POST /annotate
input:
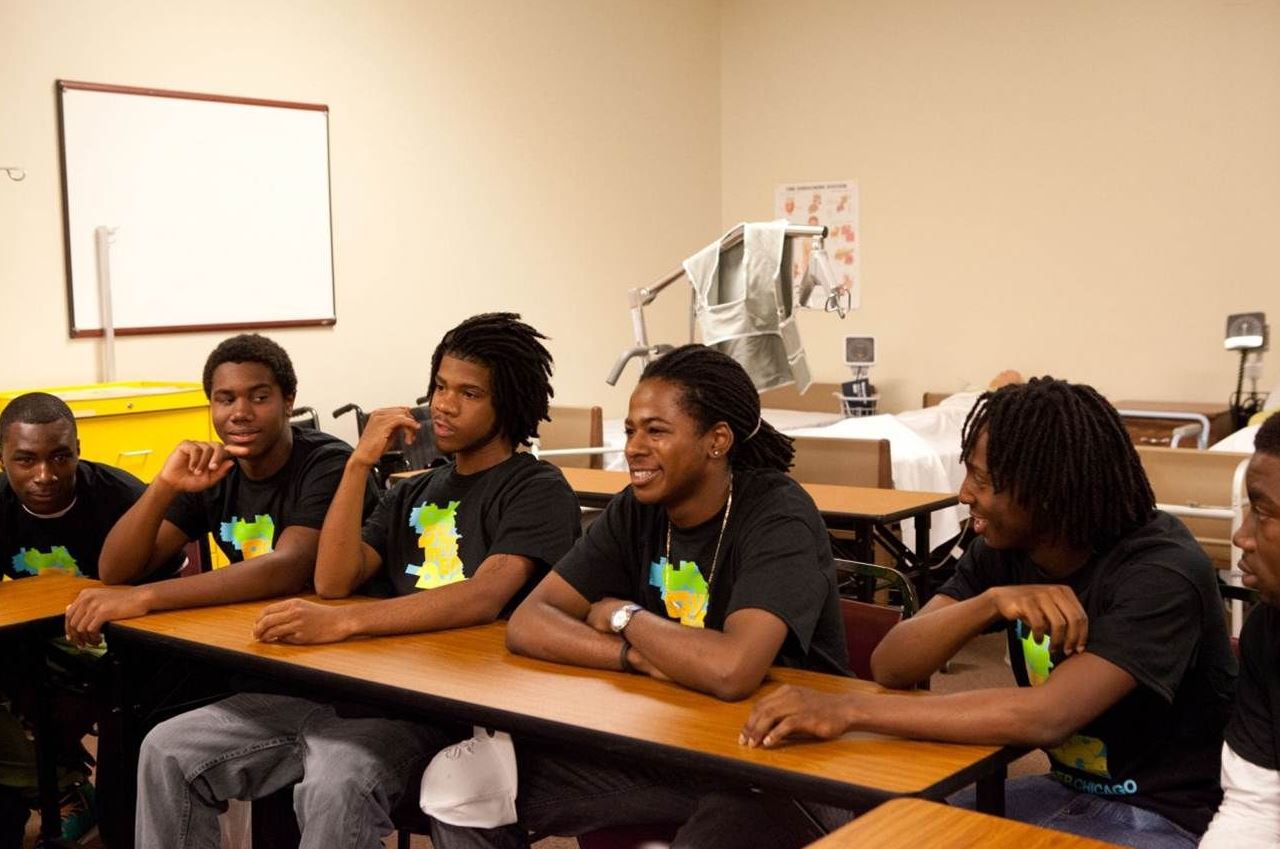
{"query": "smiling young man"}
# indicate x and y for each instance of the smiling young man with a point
(262, 494)
(1249, 817)
(459, 545)
(55, 511)
(1113, 619)
(711, 567)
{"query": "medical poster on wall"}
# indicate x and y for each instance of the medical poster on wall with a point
(835, 204)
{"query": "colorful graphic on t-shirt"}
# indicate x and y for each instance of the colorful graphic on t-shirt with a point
(1080, 751)
(32, 561)
(684, 590)
(437, 529)
(251, 539)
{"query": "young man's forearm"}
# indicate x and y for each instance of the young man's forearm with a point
(705, 660)
(999, 717)
(915, 648)
(452, 606)
(541, 630)
(340, 566)
(262, 577)
(129, 548)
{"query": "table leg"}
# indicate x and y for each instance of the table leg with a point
(991, 792)
(925, 582)
(46, 746)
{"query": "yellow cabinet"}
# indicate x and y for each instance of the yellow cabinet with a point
(133, 425)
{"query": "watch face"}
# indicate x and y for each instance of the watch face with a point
(620, 618)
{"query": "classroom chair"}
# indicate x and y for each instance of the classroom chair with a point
(573, 427)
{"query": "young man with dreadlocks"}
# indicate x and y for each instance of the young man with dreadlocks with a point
(1113, 620)
(709, 568)
(457, 546)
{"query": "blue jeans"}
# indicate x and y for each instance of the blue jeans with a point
(349, 773)
(1040, 800)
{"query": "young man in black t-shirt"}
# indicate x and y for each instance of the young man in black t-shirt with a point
(1113, 619)
(55, 511)
(1249, 817)
(262, 493)
(55, 508)
(709, 568)
(459, 545)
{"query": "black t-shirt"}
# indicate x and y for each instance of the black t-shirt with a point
(72, 542)
(437, 528)
(1155, 612)
(246, 517)
(775, 556)
(1254, 729)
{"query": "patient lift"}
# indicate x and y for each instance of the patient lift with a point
(818, 289)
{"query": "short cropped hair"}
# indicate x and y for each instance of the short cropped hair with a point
(35, 408)
(1267, 439)
(252, 348)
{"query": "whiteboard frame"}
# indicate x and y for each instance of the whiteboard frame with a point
(96, 331)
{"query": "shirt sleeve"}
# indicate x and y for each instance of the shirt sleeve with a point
(600, 564)
(1151, 628)
(315, 488)
(780, 571)
(386, 510)
(539, 519)
(187, 511)
(974, 574)
(1251, 731)
(1249, 817)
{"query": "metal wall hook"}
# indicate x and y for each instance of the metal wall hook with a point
(14, 172)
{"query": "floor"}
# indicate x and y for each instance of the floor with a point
(979, 665)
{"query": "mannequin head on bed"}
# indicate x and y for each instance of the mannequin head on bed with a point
(1051, 467)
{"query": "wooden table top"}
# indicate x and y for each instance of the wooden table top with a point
(832, 500)
(917, 824)
(468, 674)
(28, 600)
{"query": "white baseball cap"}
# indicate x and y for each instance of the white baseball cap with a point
(472, 783)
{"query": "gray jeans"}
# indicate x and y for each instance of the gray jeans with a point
(571, 794)
(349, 773)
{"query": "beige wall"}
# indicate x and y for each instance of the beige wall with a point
(538, 157)
(1081, 188)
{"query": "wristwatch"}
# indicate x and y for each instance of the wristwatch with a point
(621, 617)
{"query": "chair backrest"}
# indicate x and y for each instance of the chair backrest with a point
(1196, 479)
(851, 462)
(855, 576)
(573, 427)
(865, 625)
(820, 398)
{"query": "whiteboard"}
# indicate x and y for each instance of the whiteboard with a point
(220, 207)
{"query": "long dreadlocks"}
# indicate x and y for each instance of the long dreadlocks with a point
(1062, 452)
(519, 369)
(716, 389)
